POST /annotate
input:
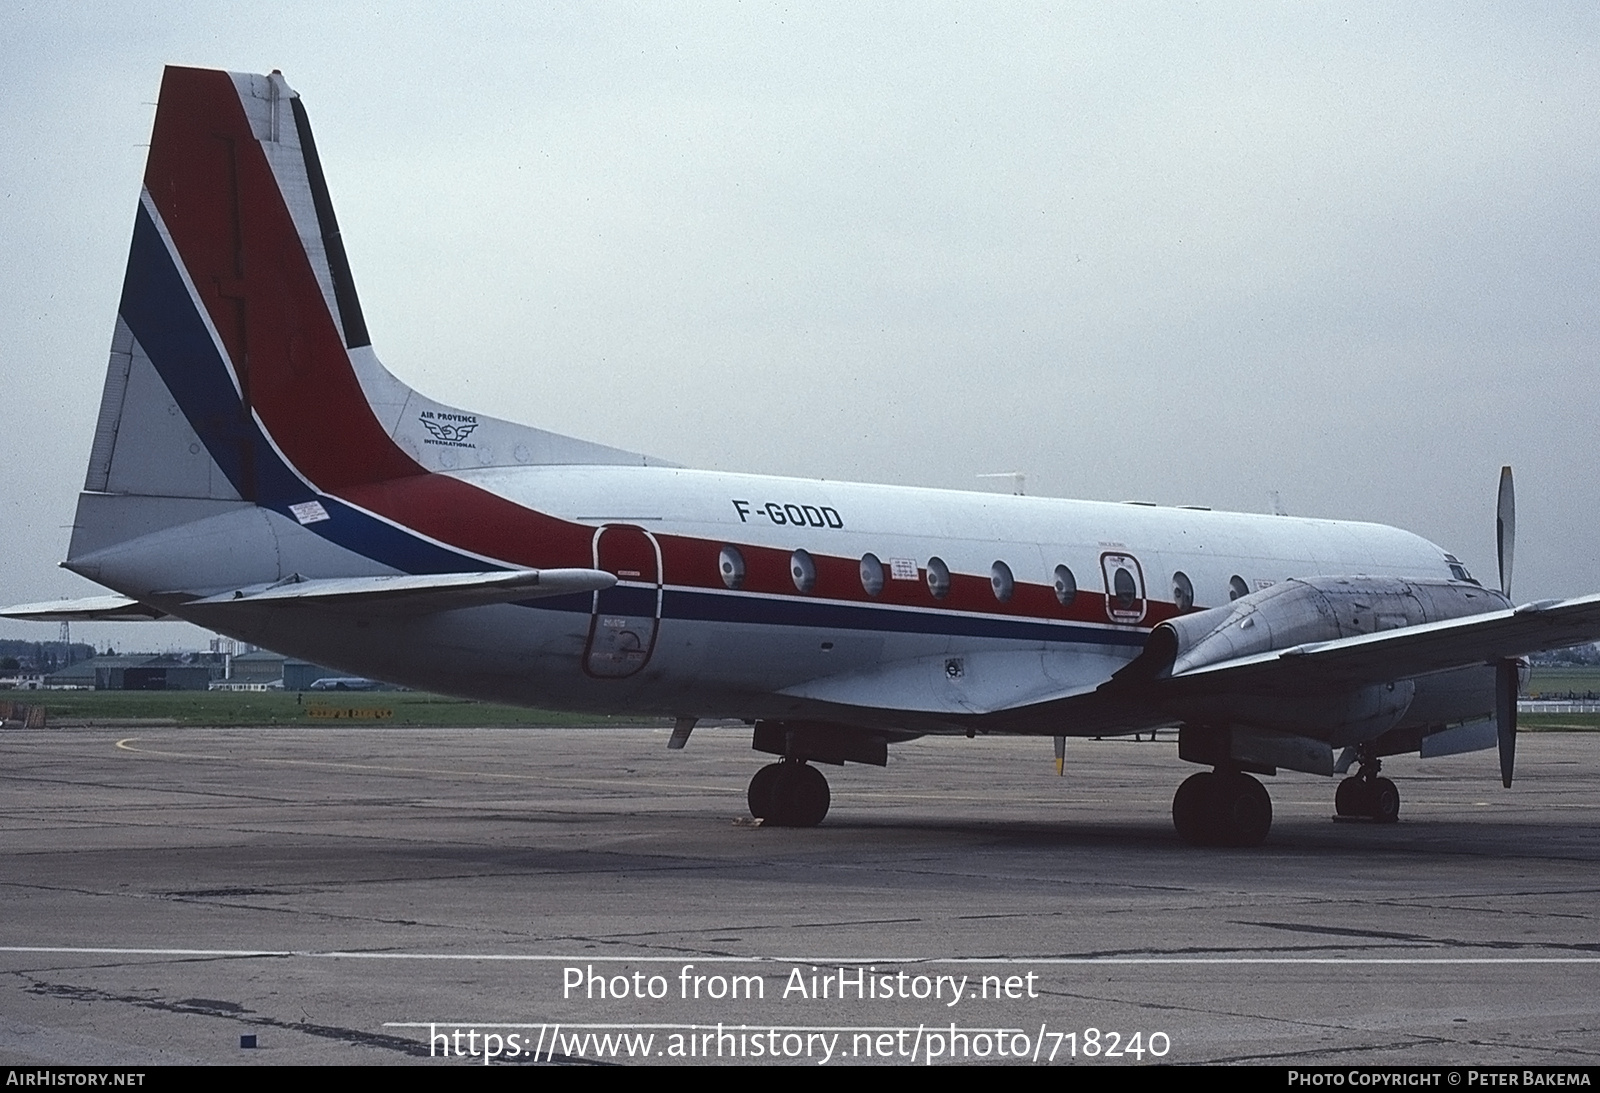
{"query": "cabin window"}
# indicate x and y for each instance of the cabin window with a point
(730, 563)
(1237, 587)
(1066, 586)
(871, 574)
(1182, 591)
(803, 570)
(938, 578)
(1125, 588)
(1000, 580)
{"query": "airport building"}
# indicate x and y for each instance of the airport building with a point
(254, 671)
(139, 672)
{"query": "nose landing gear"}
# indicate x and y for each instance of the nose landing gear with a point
(792, 793)
(1222, 808)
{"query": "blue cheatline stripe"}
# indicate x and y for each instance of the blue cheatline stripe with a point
(626, 599)
(715, 607)
(388, 545)
(157, 307)
(689, 605)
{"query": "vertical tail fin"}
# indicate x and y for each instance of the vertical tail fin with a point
(234, 302)
(241, 367)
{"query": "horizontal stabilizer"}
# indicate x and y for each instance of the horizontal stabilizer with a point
(92, 609)
(425, 593)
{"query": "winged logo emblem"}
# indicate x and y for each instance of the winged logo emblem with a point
(445, 431)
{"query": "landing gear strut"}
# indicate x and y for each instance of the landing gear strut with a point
(789, 794)
(1222, 808)
(1367, 796)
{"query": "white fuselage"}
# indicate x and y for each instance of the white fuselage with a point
(767, 648)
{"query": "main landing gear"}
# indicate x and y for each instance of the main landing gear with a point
(1366, 796)
(792, 793)
(1222, 808)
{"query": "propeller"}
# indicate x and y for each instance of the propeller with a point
(1506, 671)
(1505, 716)
(1505, 529)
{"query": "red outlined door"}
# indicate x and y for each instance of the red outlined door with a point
(627, 617)
(1125, 600)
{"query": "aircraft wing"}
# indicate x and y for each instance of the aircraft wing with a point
(91, 609)
(420, 594)
(1138, 696)
(1024, 691)
(1401, 653)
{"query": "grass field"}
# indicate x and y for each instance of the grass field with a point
(331, 708)
(1561, 682)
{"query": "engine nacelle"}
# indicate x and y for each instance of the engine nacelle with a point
(1304, 610)
(1299, 612)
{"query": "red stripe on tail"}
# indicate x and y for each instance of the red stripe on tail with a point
(216, 192)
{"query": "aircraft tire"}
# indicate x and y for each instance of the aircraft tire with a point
(1383, 801)
(1193, 811)
(759, 795)
(800, 796)
(1347, 799)
(1244, 810)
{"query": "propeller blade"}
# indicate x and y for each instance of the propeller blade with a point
(1505, 716)
(1505, 529)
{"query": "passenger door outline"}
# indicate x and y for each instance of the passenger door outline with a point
(1116, 610)
(624, 620)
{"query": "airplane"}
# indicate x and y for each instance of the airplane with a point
(256, 470)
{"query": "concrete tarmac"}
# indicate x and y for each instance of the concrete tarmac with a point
(362, 895)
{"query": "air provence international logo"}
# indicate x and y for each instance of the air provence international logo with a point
(449, 430)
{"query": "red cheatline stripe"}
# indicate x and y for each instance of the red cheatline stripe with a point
(216, 192)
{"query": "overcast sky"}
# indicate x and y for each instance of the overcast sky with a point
(1183, 253)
